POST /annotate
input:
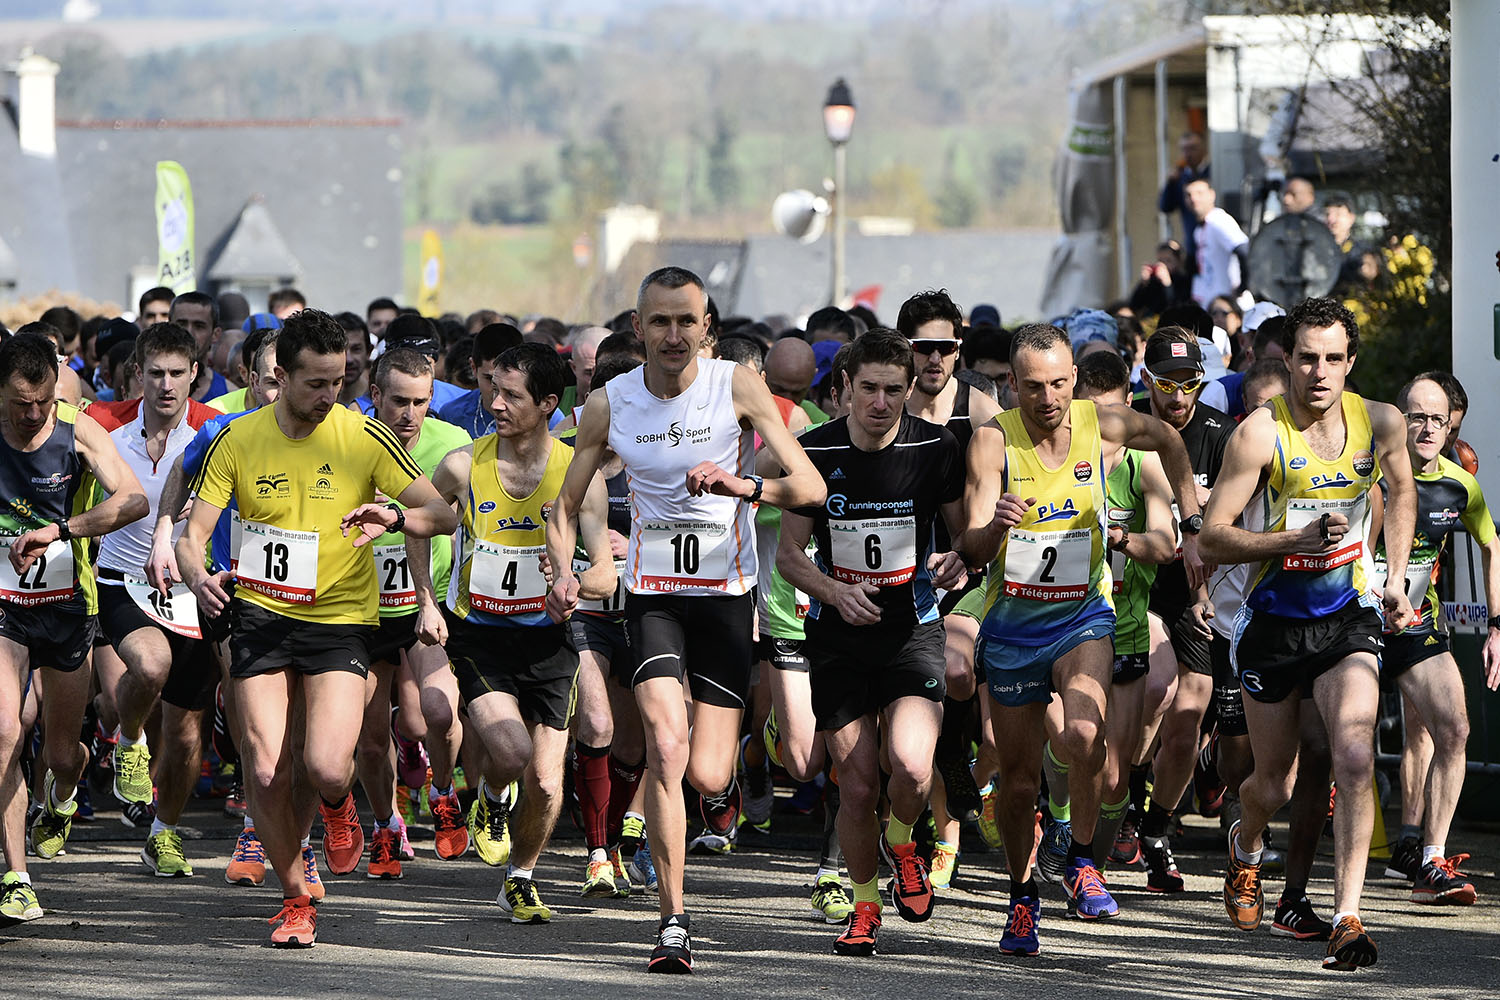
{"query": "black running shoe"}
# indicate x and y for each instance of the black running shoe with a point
(673, 953)
(1296, 919)
(1161, 868)
(958, 781)
(1406, 860)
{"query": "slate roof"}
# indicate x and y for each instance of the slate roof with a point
(254, 247)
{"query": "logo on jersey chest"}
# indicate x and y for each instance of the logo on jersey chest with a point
(52, 483)
(1298, 463)
(1082, 471)
(1055, 512)
(277, 484)
(1364, 463)
(518, 524)
(1336, 481)
(675, 434)
(1445, 518)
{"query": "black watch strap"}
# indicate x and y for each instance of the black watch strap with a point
(400, 517)
(760, 487)
(1494, 621)
(64, 534)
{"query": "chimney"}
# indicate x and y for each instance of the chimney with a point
(36, 103)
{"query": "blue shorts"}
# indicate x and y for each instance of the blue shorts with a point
(1022, 675)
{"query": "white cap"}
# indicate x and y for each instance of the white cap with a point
(1258, 314)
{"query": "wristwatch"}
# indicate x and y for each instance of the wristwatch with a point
(63, 532)
(1191, 525)
(1124, 537)
(1494, 621)
(400, 517)
(760, 487)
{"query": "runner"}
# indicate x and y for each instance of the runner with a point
(1417, 661)
(50, 457)
(506, 486)
(165, 645)
(305, 473)
(1048, 618)
(1309, 619)
(683, 429)
(874, 636)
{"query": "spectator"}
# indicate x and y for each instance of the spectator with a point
(1192, 165)
(1223, 249)
(1228, 318)
(1164, 283)
(1298, 195)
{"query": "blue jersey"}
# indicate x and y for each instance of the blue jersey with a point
(221, 542)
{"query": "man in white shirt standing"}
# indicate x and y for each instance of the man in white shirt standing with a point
(1222, 246)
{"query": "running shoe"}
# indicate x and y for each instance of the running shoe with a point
(1127, 846)
(1243, 897)
(617, 868)
(1441, 883)
(520, 899)
(858, 938)
(989, 817)
(642, 871)
(100, 770)
(17, 900)
(234, 802)
(343, 836)
(1161, 868)
(771, 736)
(403, 842)
(599, 881)
(911, 889)
(674, 947)
(49, 833)
(450, 835)
(385, 856)
(247, 865)
(1297, 919)
(760, 793)
(411, 758)
(711, 841)
(85, 812)
(489, 829)
(944, 865)
(1052, 855)
(632, 833)
(299, 924)
(830, 900)
(1208, 787)
(1406, 860)
(137, 815)
(1349, 947)
(163, 855)
(958, 781)
(310, 876)
(1020, 928)
(806, 798)
(1088, 897)
(132, 767)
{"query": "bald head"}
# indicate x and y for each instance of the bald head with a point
(585, 349)
(790, 366)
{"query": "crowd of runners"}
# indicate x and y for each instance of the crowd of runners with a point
(1045, 586)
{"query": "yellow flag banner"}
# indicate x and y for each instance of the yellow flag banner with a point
(174, 228)
(432, 274)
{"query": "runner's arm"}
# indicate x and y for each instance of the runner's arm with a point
(448, 482)
(990, 513)
(209, 588)
(588, 456)
(801, 486)
(1400, 508)
(127, 501)
(1143, 432)
(1247, 458)
(599, 580)
(1157, 544)
(1490, 555)
(851, 600)
(161, 565)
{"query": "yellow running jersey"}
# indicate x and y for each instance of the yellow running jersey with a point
(1051, 573)
(497, 579)
(292, 494)
(1302, 488)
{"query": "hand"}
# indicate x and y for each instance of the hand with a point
(854, 605)
(562, 599)
(619, 545)
(161, 565)
(25, 549)
(1009, 510)
(1164, 274)
(706, 477)
(372, 520)
(1203, 613)
(1203, 494)
(948, 570)
(432, 627)
(545, 565)
(1398, 611)
(212, 591)
(1490, 654)
(1198, 571)
(1112, 536)
(1324, 534)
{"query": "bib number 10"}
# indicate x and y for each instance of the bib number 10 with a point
(685, 554)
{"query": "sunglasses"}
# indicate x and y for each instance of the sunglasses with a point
(923, 345)
(1168, 387)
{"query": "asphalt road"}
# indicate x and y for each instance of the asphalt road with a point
(111, 930)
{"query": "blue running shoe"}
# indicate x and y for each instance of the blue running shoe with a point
(1052, 855)
(642, 872)
(1020, 929)
(1087, 896)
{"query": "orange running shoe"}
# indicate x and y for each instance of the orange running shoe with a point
(299, 924)
(859, 936)
(911, 889)
(385, 862)
(451, 829)
(310, 874)
(1243, 897)
(1350, 947)
(343, 837)
(247, 865)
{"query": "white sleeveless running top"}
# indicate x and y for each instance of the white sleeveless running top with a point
(682, 544)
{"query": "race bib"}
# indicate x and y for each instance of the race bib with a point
(1418, 579)
(679, 555)
(48, 580)
(175, 611)
(1048, 565)
(1302, 511)
(236, 538)
(1121, 517)
(507, 579)
(278, 563)
(396, 587)
(882, 551)
(614, 603)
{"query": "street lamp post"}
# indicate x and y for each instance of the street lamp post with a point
(838, 123)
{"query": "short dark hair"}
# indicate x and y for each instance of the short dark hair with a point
(32, 356)
(411, 326)
(458, 363)
(199, 299)
(493, 341)
(1267, 333)
(924, 307)
(1103, 371)
(986, 343)
(1264, 370)
(165, 338)
(545, 370)
(45, 329)
(1458, 399)
(161, 293)
(552, 327)
(353, 322)
(612, 367)
(403, 360)
(1337, 200)
(881, 346)
(481, 318)
(838, 368)
(250, 346)
(1319, 312)
(285, 297)
(623, 321)
(673, 277)
(381, 303)
(832, 319)
(309, 330)
(266, 344)
(1038, 337)
(741, 350)
(623, 344)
